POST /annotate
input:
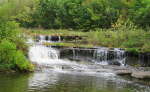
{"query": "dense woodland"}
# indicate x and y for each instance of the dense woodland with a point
(111, 23)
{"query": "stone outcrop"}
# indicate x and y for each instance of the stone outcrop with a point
(141, 75)
(123, 72)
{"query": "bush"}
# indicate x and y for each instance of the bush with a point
(9, 30)
(122, 35)
(13, 48)
(11, 41)
(11, 58)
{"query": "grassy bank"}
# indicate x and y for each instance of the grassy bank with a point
(136, 40)
(62, 32)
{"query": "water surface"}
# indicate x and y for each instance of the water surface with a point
(50, 81)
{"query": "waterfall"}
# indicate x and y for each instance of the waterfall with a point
(42, 38)
(101, 56)
(59, 39)
(48, 57)
(41, 55)
(107, 56)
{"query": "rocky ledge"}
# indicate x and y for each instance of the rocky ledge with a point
(124, 72)
(141, 75)
(135, 73)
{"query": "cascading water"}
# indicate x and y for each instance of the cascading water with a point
(48, 57)
(101, 55)
(41, 54)
(41, 38)
(105, 56)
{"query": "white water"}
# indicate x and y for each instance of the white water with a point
(46, 56)
(40, 54)
(104, 55)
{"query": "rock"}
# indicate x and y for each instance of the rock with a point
(123, 72)
(141, 75)
(115, 63)
(55, 38)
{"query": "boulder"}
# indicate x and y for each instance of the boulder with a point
(141, 75)
(123, 72)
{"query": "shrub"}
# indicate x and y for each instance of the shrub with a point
(122, 35)
(8, 30)
(11, 58)
(12, 45)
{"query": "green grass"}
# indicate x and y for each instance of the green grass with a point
(130, 39)
(60, 32)
(70, 45)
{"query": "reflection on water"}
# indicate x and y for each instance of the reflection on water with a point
(62, 82)
(14, 83)
(49, 81)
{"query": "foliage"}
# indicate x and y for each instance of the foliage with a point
(8, 30)
(12, 58)
(124, 35)
(80, 45)
(81, 14)
(12, 46)
(27, 14)
(75, 14)
(61, 32)
(142, 13)
(121, 35)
